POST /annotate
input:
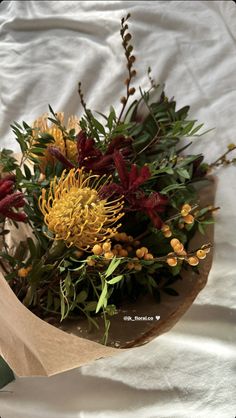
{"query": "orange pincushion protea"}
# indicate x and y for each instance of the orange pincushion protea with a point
(67, 147)
(75, 213)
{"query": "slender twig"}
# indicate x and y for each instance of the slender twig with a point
(222, 159)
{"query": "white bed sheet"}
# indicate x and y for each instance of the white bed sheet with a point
(45, 48)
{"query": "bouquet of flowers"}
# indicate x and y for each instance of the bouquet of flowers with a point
(111, 203)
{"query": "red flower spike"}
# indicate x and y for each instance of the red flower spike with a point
(133, 174)
(121, 168)
(6, 188)
(155, 218)
(91, 158)
(11, 177)
(155, 200)
(100, 166)
(55, 152)
(9, 200)
(133, 179)
(140, 178)
(87, 152)
(117, 143)
(13, 200)
(18, 217)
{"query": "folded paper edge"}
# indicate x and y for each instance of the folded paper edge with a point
(32, 347)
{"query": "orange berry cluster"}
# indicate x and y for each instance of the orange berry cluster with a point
(166, 231)
(24, 271)
(142, 253)
(185, 213)
(181, 254)
(126, 246)
(186, 218)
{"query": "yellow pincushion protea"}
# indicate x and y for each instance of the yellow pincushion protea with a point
(67, 147)
(74, 212)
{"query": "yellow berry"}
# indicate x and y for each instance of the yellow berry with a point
(207, 250)
(108, 255)
(145, 250)
(181, 225)
(178, 248)
(186, 208)
(140, 252)
(137, 267)
(106, 246)
(24, 271)
(201, 254)
(117, 247)
(182, 253)
(123, 252)
(78, 253)
(193, 261)
(130, 266)
(165, 228)
(90, 262)
(117, 237)
(148, 256)
(123, 236)
(97, 249)
(189, 219)
(172, 261)
(167, 234)
(174, 242)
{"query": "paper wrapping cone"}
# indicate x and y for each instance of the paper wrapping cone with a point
(33, 347)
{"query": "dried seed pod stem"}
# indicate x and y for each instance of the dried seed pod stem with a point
(126, 38)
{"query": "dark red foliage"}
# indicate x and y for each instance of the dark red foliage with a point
(10, 200)
(56, 153)
(91, 158)
(129, 187)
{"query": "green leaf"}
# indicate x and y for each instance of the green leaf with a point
(52, 111)
(115, 279)
(112, 266)
(111, 118)
(6, 374)
(99, 126)
(38, 151)
(32, 247)
(172, 187)
(91, 306)
(82, 296)
(183, 173)
(63, 307)
(49, 299)
(103, 298)
(201, 229)
(27, 172)
(208, 222)
(196, 129)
